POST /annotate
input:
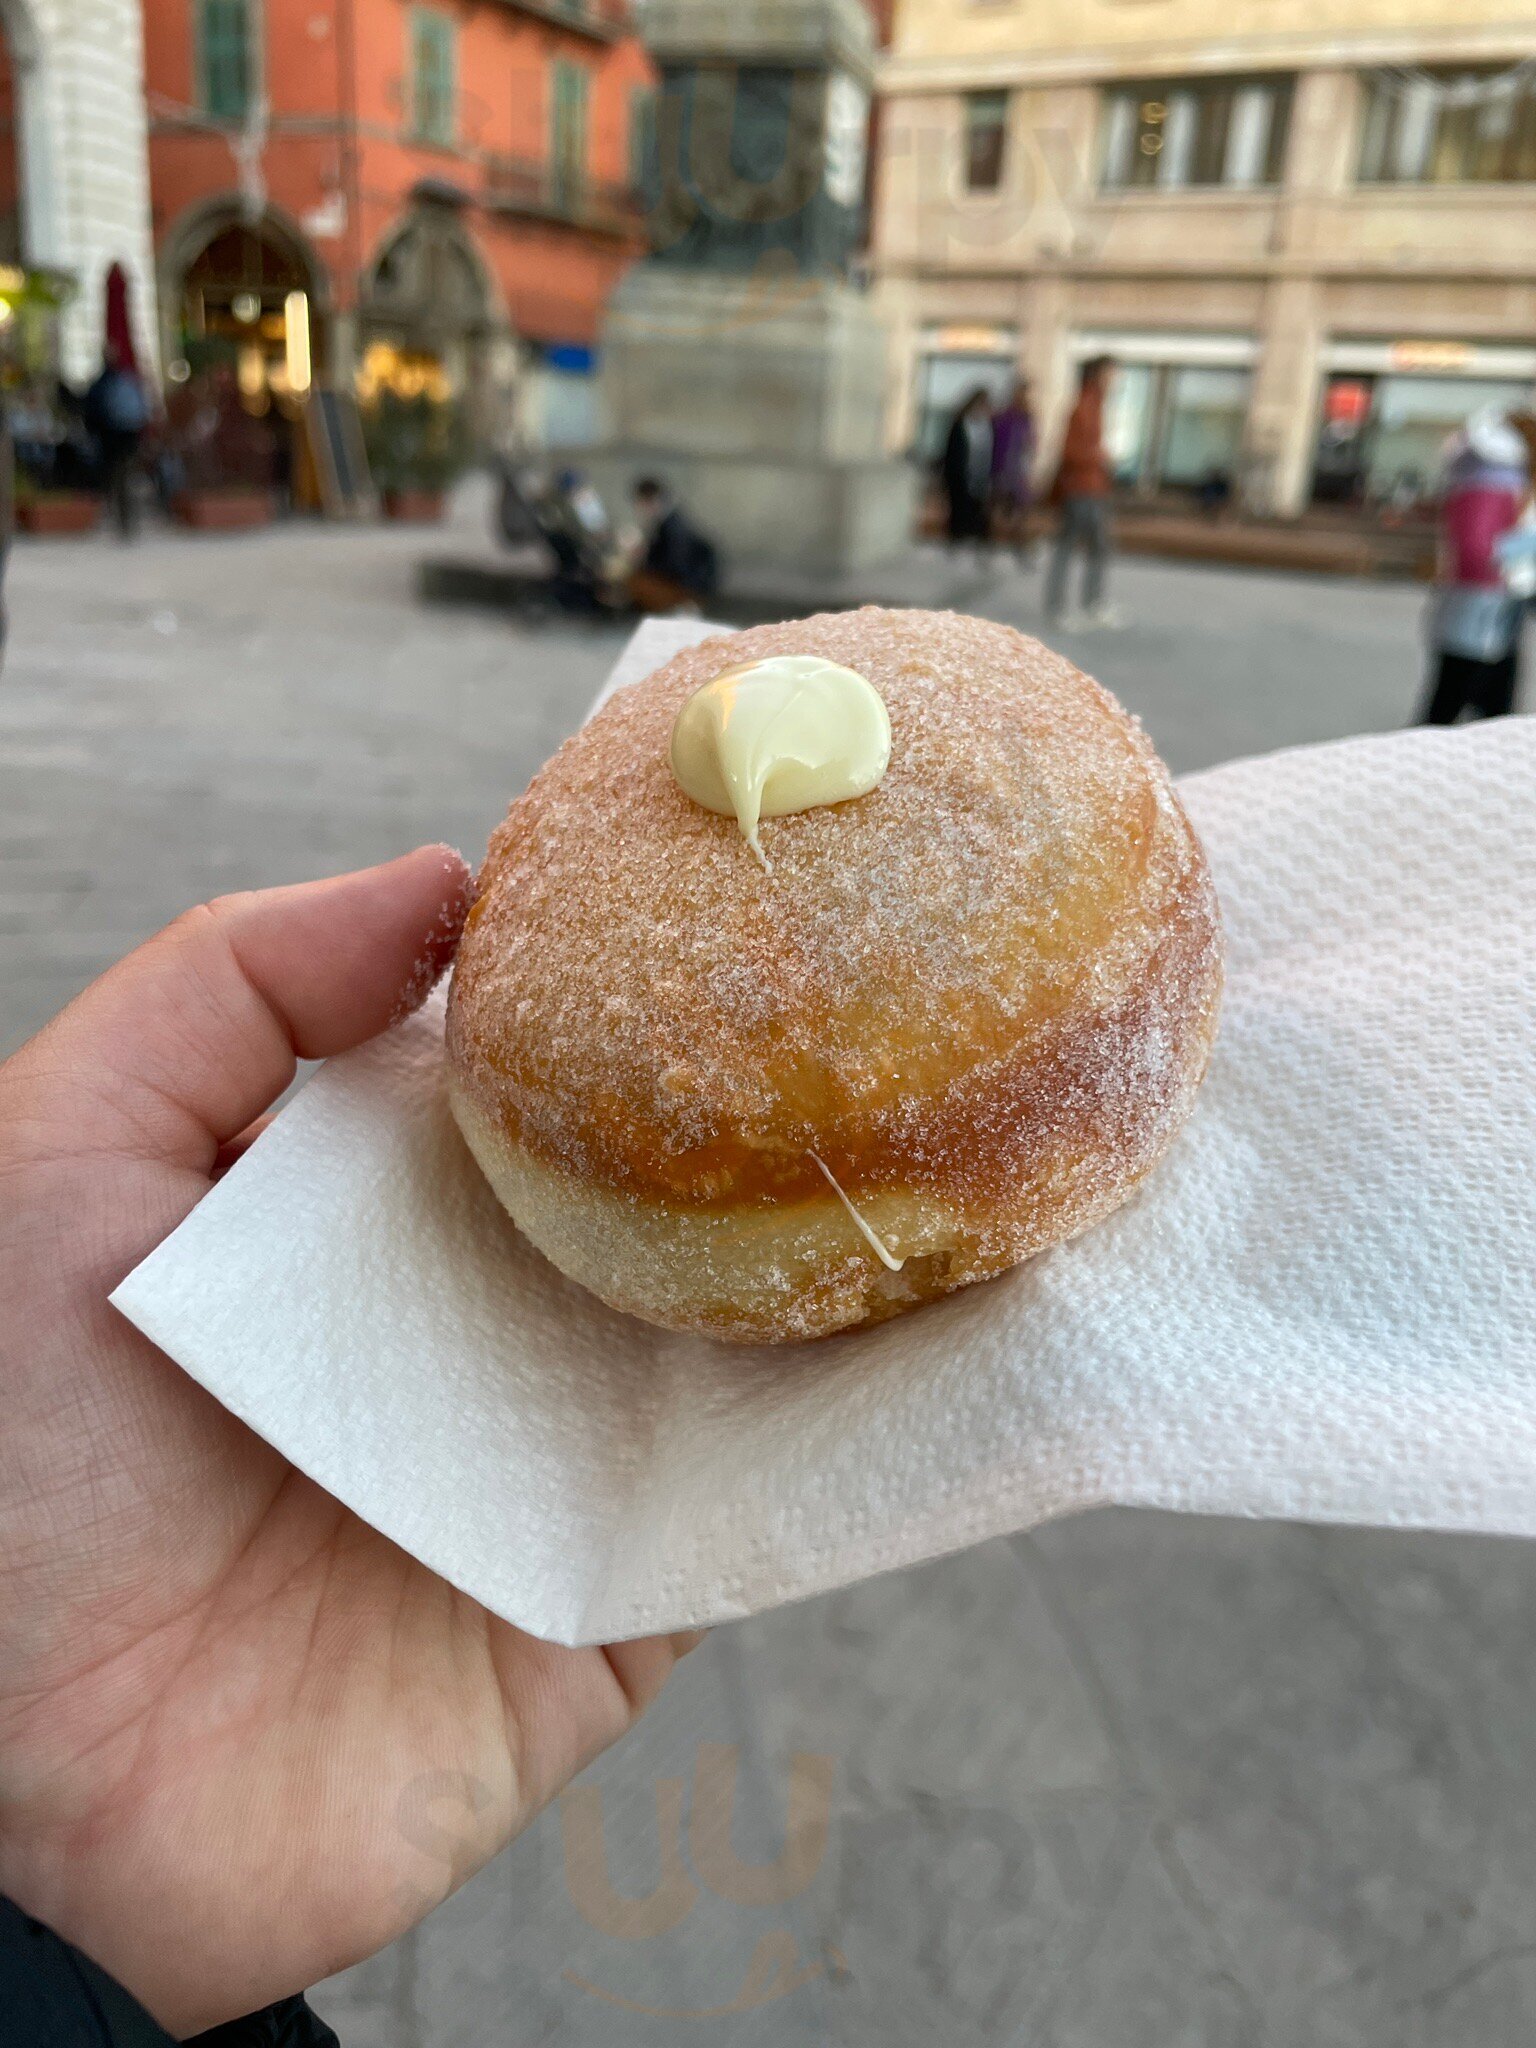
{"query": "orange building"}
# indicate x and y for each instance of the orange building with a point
(432, 194)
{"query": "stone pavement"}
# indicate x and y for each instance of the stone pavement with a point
(1134, 1781)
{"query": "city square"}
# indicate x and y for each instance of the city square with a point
(222, 714)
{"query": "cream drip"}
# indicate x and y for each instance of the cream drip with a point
(882, 1252)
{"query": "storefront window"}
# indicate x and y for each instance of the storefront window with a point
(945, 381)
(986, 140)
(1450, 127)
(1129, 421)
(1203, 434)
(1176, 426)
(1414, 418)
(1384, 439)
(1173, 133)
(406, 372)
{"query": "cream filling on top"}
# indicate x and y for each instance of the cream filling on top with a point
(790, 733)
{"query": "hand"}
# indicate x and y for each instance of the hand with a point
(244, 1740)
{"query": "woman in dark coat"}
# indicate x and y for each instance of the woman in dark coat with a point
(967, 470)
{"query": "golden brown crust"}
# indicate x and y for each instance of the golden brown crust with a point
(990, 986)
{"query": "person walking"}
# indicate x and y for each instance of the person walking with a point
(117, 412)
(967, 471)
(1475, 619)
(1014, 447)
(1081, 492)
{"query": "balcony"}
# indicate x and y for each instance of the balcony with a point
(523, 186)
(601, 21)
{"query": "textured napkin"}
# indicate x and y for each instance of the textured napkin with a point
(1322, 1304)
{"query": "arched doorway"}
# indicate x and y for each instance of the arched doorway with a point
(246, 297)
(431, 320)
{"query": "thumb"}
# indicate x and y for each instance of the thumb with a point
(181, 1045)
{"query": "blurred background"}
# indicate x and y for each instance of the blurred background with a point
(335, 339)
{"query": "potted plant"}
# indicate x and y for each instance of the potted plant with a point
(48, 511)
(417, 447)
(220, 458)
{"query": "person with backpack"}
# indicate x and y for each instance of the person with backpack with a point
(117, 412)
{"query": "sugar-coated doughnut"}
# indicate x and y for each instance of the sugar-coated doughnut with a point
(955, 1023)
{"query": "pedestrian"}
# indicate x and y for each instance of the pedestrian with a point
(967, 470)
(1081, 494)
(221, 1694)
(679, 569)
(1014, 446)
(117, 412)
(1475, 619)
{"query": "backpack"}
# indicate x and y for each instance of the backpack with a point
(124, 408)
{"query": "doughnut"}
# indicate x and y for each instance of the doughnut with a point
(934, 1030)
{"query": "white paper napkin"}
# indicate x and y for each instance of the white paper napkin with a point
(1322, 1304)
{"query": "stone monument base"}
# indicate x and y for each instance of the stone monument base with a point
(759, 401)
(815, 518)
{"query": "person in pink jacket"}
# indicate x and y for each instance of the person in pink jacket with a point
(1475, 620)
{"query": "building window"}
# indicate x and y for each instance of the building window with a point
(1173, 133)
(643, 167)
(1450, 127)
(432, 77)
(1383, 438)
(1177, 426)
(568, 134)
(986, 140)
(224, 52)
(946, 378)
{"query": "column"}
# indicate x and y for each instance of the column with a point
(92, 206)
(1283, 418)
(1045, 358)
(1283, 415)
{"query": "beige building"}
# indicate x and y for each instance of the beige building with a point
(1306, 228)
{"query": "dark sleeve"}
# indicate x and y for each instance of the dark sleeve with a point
(51, 1996)
(289, 2024)
(953, 464)
(668, 554)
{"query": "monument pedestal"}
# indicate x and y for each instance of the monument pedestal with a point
(760, 403)
(816, 519)
(739, 365)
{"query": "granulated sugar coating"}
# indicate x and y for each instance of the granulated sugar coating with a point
(988, 988)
